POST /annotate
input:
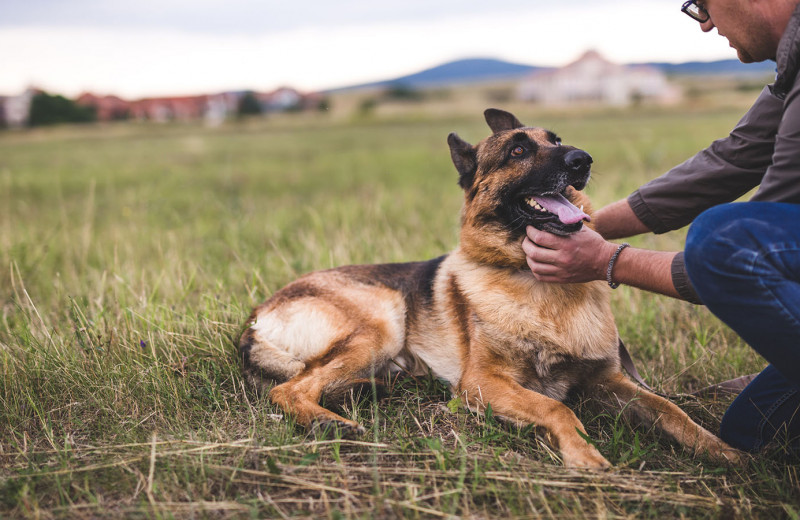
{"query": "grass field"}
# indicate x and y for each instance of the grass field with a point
(130, 256)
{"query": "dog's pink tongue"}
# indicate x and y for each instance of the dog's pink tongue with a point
(559, 205)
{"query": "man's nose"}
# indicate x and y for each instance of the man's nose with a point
(707, 25)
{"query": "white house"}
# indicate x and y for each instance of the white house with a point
(592, 78)
(16, 109)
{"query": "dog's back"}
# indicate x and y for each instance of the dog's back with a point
(320, 313)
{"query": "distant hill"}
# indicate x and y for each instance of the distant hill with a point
(455, 72)
(476, 69)
(717, 68)
(488, 69)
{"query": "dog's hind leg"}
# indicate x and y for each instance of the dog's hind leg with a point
(623, 395)
(318, 336)
(345, 362)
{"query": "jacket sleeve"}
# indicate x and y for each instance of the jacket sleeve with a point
(680, 279)
(781, 183)
(723, 172)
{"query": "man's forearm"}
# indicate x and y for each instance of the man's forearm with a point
(644, 269)
(648, 270)
(617, 220)
(584, 256)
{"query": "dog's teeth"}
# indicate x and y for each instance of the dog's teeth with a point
(535, 205)
(581, 208)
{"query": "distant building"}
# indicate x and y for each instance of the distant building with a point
(213, 109)
(162, 110)
(107, 108)
(216, 108)
(592, 78)
(16, 110)
(220, 107)
(280, 100)
(286, 99)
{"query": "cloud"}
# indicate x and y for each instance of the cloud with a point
(142, 60)
(232, 17)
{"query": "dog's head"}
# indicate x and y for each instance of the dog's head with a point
(516, 177)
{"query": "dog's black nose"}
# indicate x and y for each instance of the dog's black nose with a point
(578, 161)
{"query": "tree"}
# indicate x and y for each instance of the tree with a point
(50, 110)
(249, 105)
(402, 92)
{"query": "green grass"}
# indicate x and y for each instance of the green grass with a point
(130, 256)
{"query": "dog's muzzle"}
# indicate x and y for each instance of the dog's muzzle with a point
(578, 164)
(552, 211)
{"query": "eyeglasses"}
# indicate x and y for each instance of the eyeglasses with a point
(695, 11)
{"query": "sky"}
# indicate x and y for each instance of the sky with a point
(140, 48)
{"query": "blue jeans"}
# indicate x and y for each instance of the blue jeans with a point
(743, 259)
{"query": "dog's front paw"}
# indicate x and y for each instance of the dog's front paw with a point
(336, 428)
(720, 452)
(586, 457)
(731, 456)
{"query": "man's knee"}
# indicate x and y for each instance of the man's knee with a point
(730, 247)
(718, 244)
(719, 230)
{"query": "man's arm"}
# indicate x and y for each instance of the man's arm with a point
(584, 257)
(617, 220)
(721, 173)
(780, 183)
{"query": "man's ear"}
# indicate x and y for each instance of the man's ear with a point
(465, 159)
(500, 120)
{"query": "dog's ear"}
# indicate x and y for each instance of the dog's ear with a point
(499, 120)
(465, 158)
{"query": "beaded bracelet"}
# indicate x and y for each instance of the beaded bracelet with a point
(611, 265)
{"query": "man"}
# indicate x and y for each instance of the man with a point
(742, 260)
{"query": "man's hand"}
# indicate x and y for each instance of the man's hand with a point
(581, 257)
(584, 256)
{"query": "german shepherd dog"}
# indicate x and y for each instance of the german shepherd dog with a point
(476, 317)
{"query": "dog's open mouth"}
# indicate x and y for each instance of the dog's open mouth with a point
(554, 213)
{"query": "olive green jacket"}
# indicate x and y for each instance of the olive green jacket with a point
(762, 150)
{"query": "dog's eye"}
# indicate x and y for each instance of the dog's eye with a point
(517, 151)
(558, 141)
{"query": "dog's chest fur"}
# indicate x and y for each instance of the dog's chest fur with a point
(543, 335)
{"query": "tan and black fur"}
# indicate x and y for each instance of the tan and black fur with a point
(475, 317)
